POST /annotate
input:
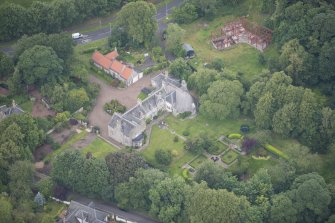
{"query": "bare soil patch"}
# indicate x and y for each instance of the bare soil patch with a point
(42, 152)
(39, 110)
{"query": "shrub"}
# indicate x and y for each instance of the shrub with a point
(248, 144)
(186, 174)
(185, 114)
(186, 133)
(234, 136)
(275, 151)
(176, 139)
(163, 157)
(114, 106)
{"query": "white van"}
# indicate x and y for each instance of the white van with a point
(77, 35)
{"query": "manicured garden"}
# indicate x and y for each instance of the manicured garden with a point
(198, 161)
(163, 139)
(229, 156)
(221, 148)
(99, 148)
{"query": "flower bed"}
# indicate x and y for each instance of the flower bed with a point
(229, 157)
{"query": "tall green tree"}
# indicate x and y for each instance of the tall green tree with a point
(208, 205)
(167, 199)
(180, 69)
(202, 79)
(283, 210)
(264, 112)
(76, 99)
(13, 21)
(296, 61)
(6, 65)
(174, 40)
(21, 180)
(39, 65)
(138, 19)
(311, 197)
(135, 193)
(285, 120)
(5, 210)
(186, 13)
(122, 165)
(223, 100)
(216, 177)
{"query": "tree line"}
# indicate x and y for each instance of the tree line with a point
(215, 196)
(304, 32)
(52, 17)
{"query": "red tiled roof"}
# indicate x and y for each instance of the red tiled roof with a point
(109, 62)
(117, 67)
(112, 55)
(127, 73)
(100, 59)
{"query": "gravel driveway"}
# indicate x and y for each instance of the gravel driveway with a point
(126, 96)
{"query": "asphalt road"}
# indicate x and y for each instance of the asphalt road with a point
(105, 32)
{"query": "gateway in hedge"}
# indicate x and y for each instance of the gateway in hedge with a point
(170, 95)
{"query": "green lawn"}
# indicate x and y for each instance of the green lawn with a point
(99, 148)
(163, 139)
(198, 161)
(221, 148)
(229, 157)
(81, 52)
(67, 145)
(201, 125)
(239, 58)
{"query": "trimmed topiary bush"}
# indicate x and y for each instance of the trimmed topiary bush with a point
(234, 136)
(275, 151)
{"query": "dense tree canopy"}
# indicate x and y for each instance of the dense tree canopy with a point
(222, 100)
(123, 165)
(135, 193)
(174, 39)
(138, 20)
(168, 197)
(6, 65)
(49, 17)
(208, 205)
(39, 65)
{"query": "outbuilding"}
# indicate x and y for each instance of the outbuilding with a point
(189, 50)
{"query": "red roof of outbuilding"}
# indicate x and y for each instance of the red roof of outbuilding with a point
(100, 59)
(109, 62)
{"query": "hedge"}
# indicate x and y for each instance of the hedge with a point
(186, 174)
(234, 136)
(275, 151)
